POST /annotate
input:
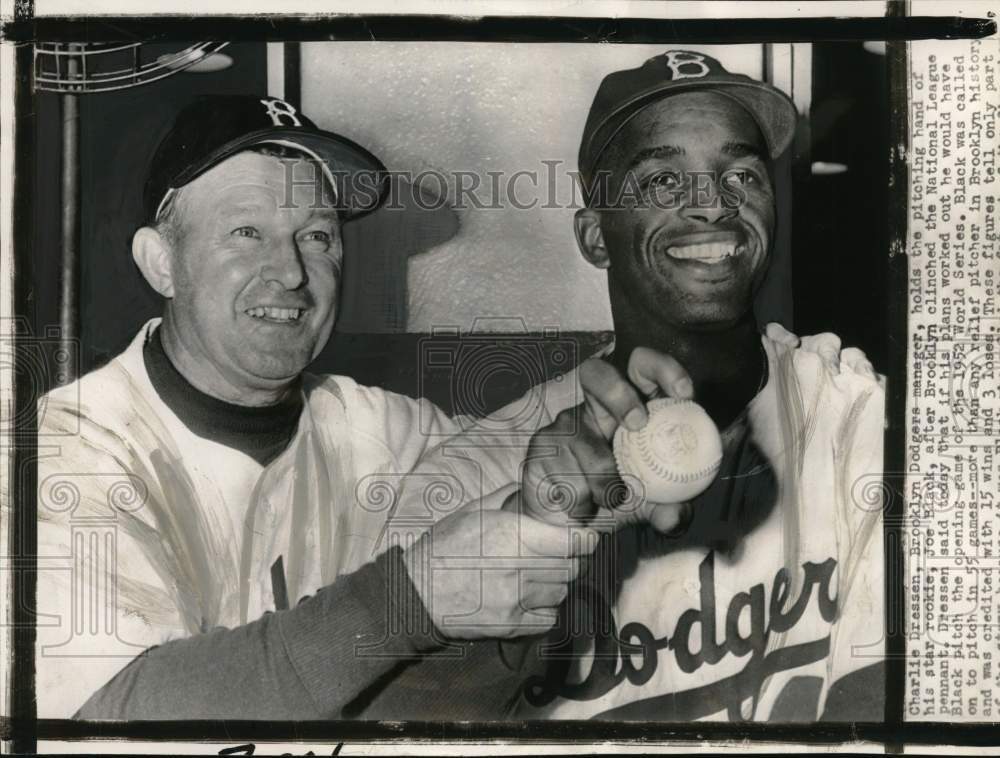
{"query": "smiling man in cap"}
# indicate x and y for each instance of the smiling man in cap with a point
(206, 546)
(765, 602)
(768, 604)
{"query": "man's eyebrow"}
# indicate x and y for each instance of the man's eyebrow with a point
(742, 150)
(660, 151)
(324, 213)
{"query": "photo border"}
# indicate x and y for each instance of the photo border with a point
(23, 729)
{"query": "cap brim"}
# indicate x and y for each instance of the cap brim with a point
(773, 111)
(771, 108)
(360, 179)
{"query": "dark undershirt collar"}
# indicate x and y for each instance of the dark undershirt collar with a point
(262, 432)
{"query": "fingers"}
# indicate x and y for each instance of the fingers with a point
(827, 347)
(569, 470)
(566, 541)
(570, 473)
(777, 333)
(613, 401)
(651, 370)
(610, 398)
(858, 362)
(564, 573)
(543, 595)
(550, 615)
(596, 462)
(538, 620)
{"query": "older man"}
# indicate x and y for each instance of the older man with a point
(204, 551)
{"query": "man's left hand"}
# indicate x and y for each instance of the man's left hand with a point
(570, 475)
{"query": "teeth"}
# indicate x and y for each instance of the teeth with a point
(712, 251)
(275, 314)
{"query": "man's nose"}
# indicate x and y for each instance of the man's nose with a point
(284, 266)
(706, 203)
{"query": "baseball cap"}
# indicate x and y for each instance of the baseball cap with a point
(215, 127)
(622, 94)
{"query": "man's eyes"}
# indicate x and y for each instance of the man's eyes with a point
(740, 177)
(314, 238)
(672, 180)
(665, 180)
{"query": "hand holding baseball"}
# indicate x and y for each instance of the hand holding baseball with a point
(570, 474)
(675, 455)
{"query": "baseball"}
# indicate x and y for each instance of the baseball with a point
(676, 455)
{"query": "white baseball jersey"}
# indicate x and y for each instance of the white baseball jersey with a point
(149, 533)
(759, 631)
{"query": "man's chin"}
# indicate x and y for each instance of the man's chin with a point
(714, 315)
(710, 304)
(278, 368)
(714, 322)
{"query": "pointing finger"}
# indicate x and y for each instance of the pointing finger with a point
(651, 370)
(606, 388)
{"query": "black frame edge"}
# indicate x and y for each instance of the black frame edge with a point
(22, 727)
(444, 28)
(23, 471)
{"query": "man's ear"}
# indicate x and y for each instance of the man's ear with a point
(590, 238)
(153, 255)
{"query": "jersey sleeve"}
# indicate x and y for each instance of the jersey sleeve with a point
(101, 599)
(307, 663)
(858, 637)
(845, 407)
(121, 634)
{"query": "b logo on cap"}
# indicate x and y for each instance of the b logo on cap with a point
(679, 60)
(279, 109)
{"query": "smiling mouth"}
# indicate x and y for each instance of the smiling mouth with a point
(707, 252)
(276, 315)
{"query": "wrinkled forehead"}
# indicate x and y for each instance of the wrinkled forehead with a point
(692, 122)
(266, 182)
